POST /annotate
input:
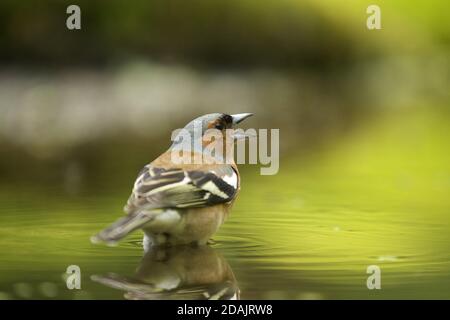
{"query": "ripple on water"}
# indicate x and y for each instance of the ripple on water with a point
(308, 253)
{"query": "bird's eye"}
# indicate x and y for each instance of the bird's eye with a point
(219, 127)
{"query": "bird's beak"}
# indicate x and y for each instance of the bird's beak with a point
(239, 117)
(239, 133)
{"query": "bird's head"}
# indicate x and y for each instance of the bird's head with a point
(210, 129)
(218, 121)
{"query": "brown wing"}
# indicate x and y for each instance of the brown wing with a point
(158, 187)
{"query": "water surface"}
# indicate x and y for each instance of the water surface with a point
(310, 232)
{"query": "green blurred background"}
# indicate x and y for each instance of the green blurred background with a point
(364, 126)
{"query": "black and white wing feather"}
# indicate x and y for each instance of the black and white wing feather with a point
(157, 188)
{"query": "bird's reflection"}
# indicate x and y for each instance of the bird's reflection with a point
(177, 273)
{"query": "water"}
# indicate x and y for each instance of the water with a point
(309, 232)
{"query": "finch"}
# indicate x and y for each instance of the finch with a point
(176, 202)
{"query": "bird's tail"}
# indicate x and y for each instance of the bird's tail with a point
(122, 228)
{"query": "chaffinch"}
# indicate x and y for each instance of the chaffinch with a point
(180, 272)
(183, 203)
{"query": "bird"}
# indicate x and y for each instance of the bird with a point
(177, 272)
(184, 203)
